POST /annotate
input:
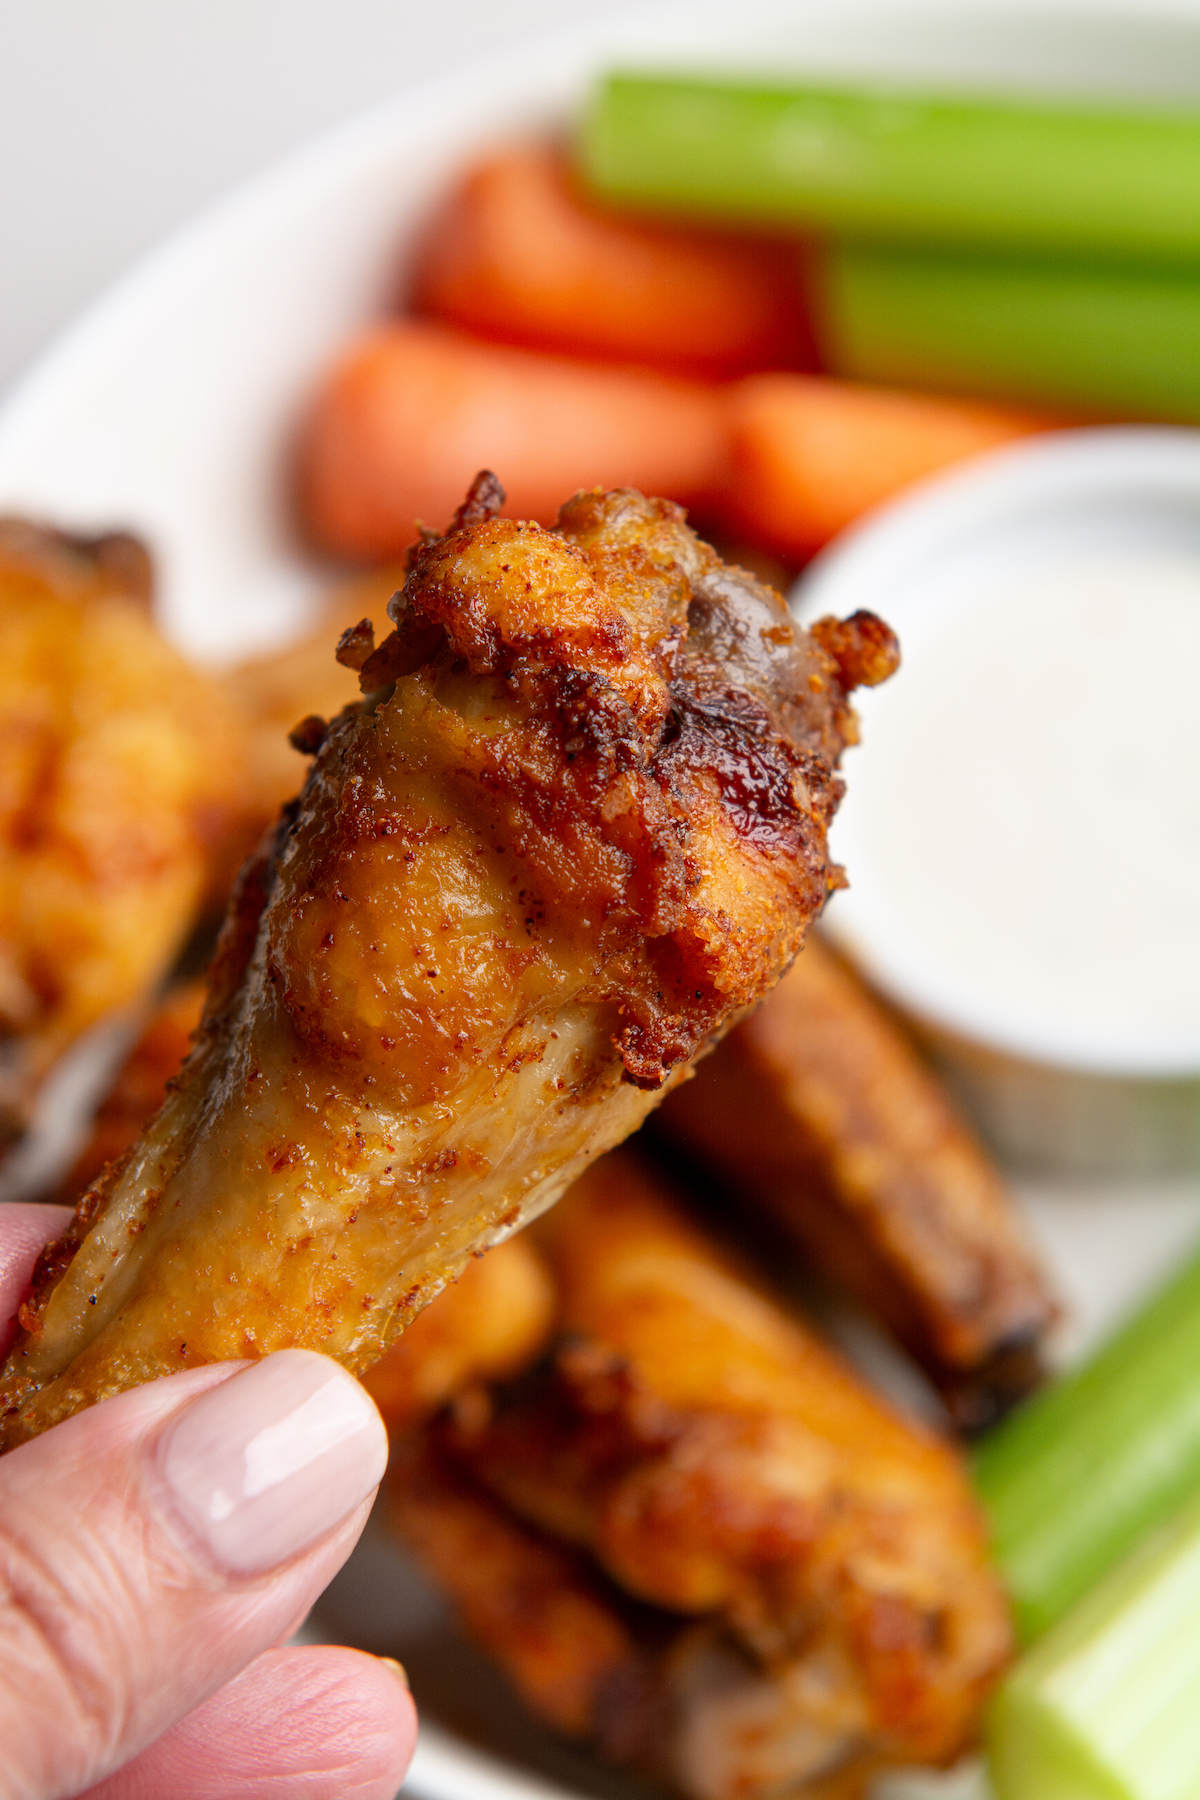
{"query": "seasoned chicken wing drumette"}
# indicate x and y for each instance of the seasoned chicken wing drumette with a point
(576, 826)
(695, 1537)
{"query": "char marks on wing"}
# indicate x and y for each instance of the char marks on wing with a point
(646, 699)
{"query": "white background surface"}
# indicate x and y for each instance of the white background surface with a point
(119, 118)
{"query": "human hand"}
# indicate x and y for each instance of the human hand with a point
(155, 1550)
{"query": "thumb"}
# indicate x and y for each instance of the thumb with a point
(153, 1546)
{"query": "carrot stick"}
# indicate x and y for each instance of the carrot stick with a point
(414, 409)
(520, 256)
(809, 455)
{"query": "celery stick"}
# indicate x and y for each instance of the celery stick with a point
(1107, 1707)
(1123, 341)
(1077, 1478)
(903, 166)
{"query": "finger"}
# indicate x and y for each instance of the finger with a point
(25, 1230)
(317, 1724)
(154, 1545)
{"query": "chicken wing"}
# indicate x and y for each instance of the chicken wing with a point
(673, 1698)
(118, 776)
(579, 1653)
(703, 1453)
(859, 1154)
(576, 827)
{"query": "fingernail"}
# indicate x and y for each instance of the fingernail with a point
(397, 1669)
(268, 1462)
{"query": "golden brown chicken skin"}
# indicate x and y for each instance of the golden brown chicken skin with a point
(576, 826)
(118, 777)
(858, 1152)
(712, 1459)
(486, 1326)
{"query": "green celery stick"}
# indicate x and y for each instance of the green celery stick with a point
(1107, 1706)
(1071, 178)
(1075, 1479)
(1123, 341)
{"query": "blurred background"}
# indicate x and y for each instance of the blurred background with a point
(118, 118)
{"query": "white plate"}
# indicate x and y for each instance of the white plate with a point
(170, 406)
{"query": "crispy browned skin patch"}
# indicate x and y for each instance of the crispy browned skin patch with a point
(704, 1452)
(486, 1326)
(858, 1152)
(576, 827)
(117, 778)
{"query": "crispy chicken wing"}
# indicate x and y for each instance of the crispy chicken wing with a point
(675, 1698)
(580, 1654)
(859, 1154)
(705, 1453)
(576, 827)
(118, 776)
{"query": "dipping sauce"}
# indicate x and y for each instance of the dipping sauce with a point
(1025, 812)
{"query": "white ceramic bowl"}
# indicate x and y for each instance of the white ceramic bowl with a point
(170, 405)
(1039, 941)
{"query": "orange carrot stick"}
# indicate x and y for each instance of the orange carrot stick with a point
(414, 409)
(519, 255)
(809, 455)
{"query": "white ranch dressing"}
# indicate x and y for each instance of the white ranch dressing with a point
(1025, 813)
